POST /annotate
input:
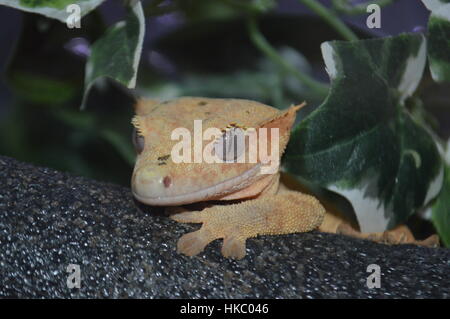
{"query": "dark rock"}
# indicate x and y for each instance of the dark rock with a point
(49, 220)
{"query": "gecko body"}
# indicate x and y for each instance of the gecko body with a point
(266, 206)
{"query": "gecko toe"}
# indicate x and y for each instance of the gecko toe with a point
(233, 247)
(193, 243)
(188, 217)
(432, 241)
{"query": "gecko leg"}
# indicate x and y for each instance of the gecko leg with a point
(284, 213)
(399, 235)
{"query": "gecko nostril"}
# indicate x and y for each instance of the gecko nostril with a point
(167, 181)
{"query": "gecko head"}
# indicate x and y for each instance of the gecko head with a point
(188, 151)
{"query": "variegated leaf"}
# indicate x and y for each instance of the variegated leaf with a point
(361, 142)
(117, 54)
(56, 9)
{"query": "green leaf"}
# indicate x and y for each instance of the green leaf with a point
(55, 9)
(265, 82)
(116, 55)
(49, 74)
(121, 144)
(361, 142)
(439, 39)
(41, 89)
(441, 210)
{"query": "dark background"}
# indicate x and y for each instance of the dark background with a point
(188, 52)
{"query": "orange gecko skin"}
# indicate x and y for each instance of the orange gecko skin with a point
(266, 207)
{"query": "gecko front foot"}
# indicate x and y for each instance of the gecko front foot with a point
(285, 213)
(214, 227)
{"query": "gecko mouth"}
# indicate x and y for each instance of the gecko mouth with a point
(145, 193)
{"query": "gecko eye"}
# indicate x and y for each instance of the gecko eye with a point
(230, 146)
(138, 141)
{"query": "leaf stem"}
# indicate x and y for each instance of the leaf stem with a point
(330, 18)
(261, 43)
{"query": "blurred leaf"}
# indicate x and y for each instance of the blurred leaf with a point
(109, 127)
(43, 70)
(248, 84)
(55, 9)
(441, 207)
(361, 142)
(421, 115)
(41, 89)
(209, 10)
(265, 82)
(439, 39)
(121, 144)
(116, 55)
(258, 6)
(75, 118)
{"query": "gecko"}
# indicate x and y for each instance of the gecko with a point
(247, 202)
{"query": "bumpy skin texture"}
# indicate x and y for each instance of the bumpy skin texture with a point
(283, 213)
(267, 207)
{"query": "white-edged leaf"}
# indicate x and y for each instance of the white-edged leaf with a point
(447, 153)
(439, 39)
(361, 142)
(441, 209)
(55, 9)
(116, 55)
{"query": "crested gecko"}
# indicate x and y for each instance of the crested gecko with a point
(266, 206)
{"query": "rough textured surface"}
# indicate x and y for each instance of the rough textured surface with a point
(50, 219)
